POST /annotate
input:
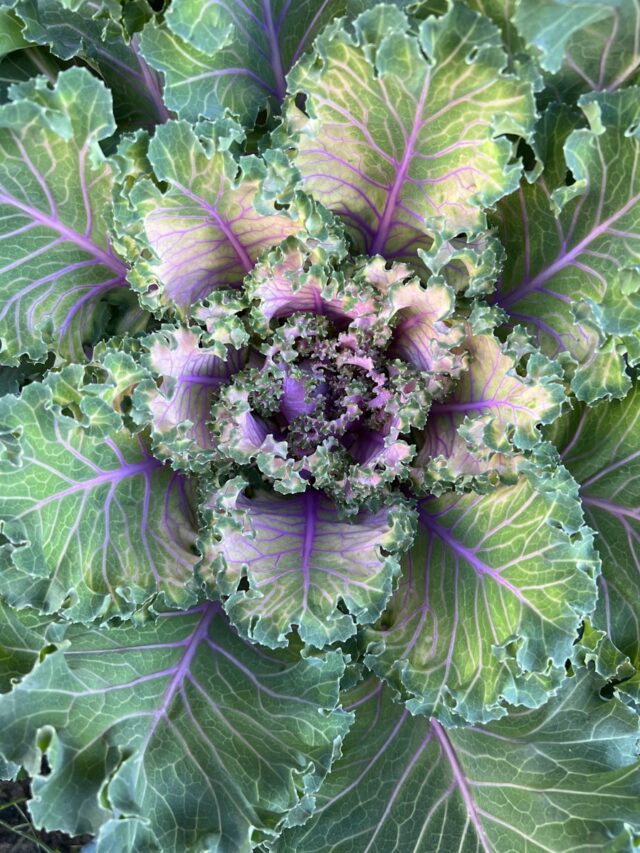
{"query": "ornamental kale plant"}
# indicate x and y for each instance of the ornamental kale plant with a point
(319, 437)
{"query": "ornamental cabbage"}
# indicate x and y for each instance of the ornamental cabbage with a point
(319, 510)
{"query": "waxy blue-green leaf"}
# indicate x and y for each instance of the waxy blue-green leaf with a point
(57, 269)
(492, 595)
(572, 272)
(584, 44)
(564, 778)
(601, 448)
(197, 738)
(95, 524)
(232, 55)
(403, 135)
(93, 33)
(304, 565)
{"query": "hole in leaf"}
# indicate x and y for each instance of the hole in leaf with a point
(569, 179)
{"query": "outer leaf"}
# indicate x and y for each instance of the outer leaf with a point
(232, 55)
(479, 431)
(57, 266)
(97, 524)
(78, 32)
(576, 282)
(601, 448)
(179, 407)
(564, 777)
(301, 561)
(196, 737)
(593, 45)
(401, 137)
(492, 596)
(209, 226)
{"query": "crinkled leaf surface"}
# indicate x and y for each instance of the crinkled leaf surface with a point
(100, 41)
(97, 524)
(563, 777)
(490, 601)
(586, 44)
(572, 276)
(179, 721)
(206, 230)
(55, 186)
(301, 561)
(401, 132)
(492, 414)
(177, 401)
(601, 448)
(232, 55)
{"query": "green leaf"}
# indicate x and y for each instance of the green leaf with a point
(198, 739)
(96, 524)
(572, 251)
(402, 135)
(208, 227)
(585, 44)
(492, 596)
(57, 268)
(76, 30)
(232, 55)
(304, 565)
(601, 448)
(564, 777)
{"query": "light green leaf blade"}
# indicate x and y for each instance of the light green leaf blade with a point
(57, 268)
(207, 229)
(232, 55)
(563, 777)
(409, 141)
(601, 448)
(572, 251)
(304, 565)
(201, 739)
(96, 525)
(492, 595)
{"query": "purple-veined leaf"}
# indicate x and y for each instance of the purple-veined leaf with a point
(232, 55)
(302, 560)
(563, 777)
(401, 134)
(95, 524)
(56, 263)
(210, 225)
(176, 402)
(477, 434)
(491, 598)
(572, 251)
(585, 44)
(98, 38)
(601, 448)
(185, 723)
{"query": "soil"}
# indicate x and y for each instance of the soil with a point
(18, 835)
